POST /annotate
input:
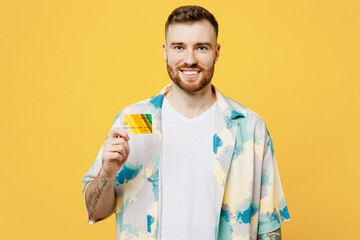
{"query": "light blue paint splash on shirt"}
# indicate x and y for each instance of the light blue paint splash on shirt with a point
(270, 145)
(235, 114)
(127, 173)
(266, 183)
(119, 215)
(131, 229)
(154, 179)
(242, 136)
(257, 139)
(150, 221)
(231, 121)
(157, 101)
(269, 217)
(265, 178)
(225, 213)
(245, 216)
(237, 151)
(217, 142)
(284, 214)
(225, 228)
(254, 209)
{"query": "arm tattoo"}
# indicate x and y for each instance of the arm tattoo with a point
(276, 235)
(94, 195)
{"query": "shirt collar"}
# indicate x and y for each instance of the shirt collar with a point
(222, 101)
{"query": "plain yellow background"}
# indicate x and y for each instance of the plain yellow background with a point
(68, 67)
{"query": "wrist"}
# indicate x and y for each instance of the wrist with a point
(103, 175)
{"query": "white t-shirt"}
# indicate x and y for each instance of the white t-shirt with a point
(188, 210)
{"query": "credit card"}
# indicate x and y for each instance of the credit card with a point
(137, 123)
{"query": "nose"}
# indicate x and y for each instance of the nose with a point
(190, 58)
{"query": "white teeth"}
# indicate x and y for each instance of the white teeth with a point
(190, 72)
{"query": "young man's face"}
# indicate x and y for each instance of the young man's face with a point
(191, 50)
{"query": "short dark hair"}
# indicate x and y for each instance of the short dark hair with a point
(191, 13)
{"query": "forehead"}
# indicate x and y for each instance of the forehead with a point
(199, 31)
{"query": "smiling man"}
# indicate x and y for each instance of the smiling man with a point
(201, 165)
(191, 54)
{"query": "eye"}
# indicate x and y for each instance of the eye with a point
(178, 47)
(202, 48)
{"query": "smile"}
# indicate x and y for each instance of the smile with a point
(190, 73)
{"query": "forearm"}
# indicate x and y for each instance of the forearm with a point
(100, 197)
(276, 235)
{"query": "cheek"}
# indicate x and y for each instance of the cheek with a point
(174, 59)
(207, 63)
(207, 60)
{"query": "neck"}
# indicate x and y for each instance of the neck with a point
(191, 104)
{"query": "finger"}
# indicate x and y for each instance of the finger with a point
(116, 156)
(127, 148)
(118, 148)
(121, 141)
(119, 132)
(117, 141)
(113, 156)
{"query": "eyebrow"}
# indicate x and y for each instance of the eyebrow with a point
(197, 44)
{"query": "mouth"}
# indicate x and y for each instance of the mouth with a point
(190, 73)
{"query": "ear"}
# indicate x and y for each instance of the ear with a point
(165, 51)
(217, 52)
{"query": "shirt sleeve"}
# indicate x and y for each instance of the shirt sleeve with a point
(272, 208)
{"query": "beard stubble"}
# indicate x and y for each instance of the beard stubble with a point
(195, 86)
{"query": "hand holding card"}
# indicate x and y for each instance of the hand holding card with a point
(115, 151)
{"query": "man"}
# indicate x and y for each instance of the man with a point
(206, 171)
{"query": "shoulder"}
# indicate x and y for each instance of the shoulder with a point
(250, 117)
(251, 124)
